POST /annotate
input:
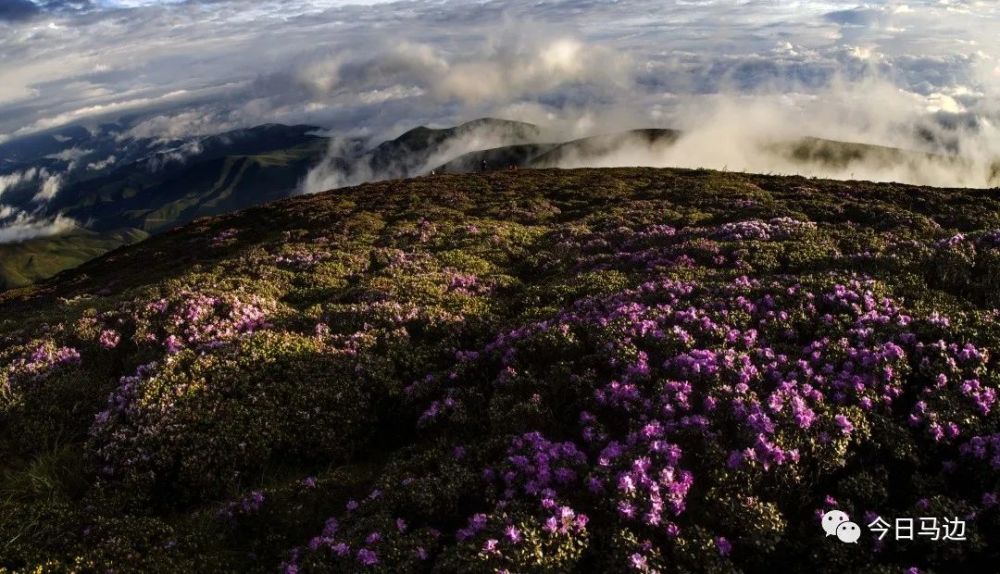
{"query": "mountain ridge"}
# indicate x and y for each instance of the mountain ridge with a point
(242, 168)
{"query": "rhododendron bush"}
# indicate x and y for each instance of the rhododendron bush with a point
(543, 371)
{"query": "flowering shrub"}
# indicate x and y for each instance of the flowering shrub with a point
(271, 397)
(777, 228)
(200, 320)
(621, 371)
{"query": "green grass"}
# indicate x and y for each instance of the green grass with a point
(33, 260)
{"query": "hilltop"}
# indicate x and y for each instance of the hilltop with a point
(134, 187)
(552, 370)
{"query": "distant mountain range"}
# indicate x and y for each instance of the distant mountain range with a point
(543, 155)
(138, 187)
(120, 189)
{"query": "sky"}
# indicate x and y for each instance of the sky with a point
(878, 71)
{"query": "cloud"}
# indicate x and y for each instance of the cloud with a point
(857, 17)
(16, 225)
(175, 156)
(49, 189)
(102, 164)
(17, 178)
(765, 134)
(344, 165)
(511, 64)
(168, 70)
(14, 10)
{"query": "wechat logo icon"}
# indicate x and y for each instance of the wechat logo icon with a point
(837, 523)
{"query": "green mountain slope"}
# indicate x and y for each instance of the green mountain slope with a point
(546, 155)
(536, 371)
(29, 261)
(135, 201)
(155, 201)
(417, 151)
(241, 169)
(804, 154)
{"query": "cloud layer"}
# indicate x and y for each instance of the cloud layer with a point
(16, 225)
(921, 75)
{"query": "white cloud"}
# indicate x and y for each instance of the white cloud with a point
(199, 67)
(16, 225)
(70, 155)
(102, 164)
(49, 189)
(12, 180)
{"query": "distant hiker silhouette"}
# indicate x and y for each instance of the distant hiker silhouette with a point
(484, 166)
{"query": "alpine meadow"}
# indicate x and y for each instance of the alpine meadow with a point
(505, 287)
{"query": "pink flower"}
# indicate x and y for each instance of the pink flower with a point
(173, 345)
(109, 339)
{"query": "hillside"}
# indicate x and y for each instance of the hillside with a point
(120, 205)
(30, 261)
(208, 187)
(526, 371)
(805, 155)
(546, 155)
(158, 185)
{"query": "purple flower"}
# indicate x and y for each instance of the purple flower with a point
(551, 525)
(638, 562)
(367, 557)
(477, 522)
(724, 546)
(173, 345)
(844, 423)
(341, 549)
(254, 502)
